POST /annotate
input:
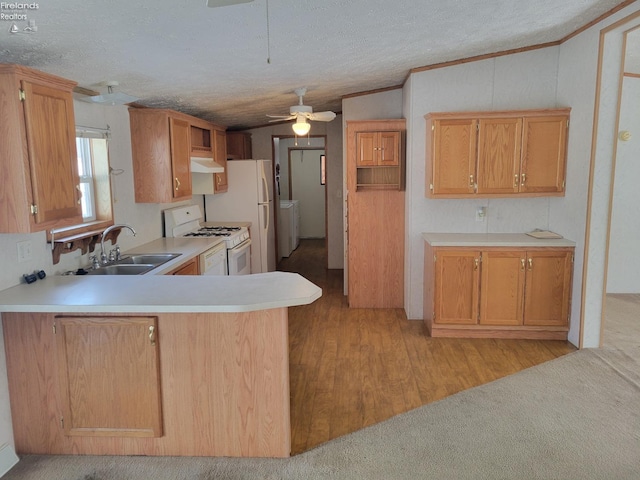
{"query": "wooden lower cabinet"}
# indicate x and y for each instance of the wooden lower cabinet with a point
(109, 376)
(197, 384)
(498, 292)
(192, 267)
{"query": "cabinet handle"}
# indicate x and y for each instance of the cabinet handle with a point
(515, 180)
(152, 335)
(177, 183)
(530, 262)
(217, 179)
(522, 261)
(471, 180)
(79, 194)
(523, 178)
(476, 263)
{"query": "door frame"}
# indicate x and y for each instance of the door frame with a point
(273, 157)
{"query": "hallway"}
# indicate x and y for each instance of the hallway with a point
(350, 368)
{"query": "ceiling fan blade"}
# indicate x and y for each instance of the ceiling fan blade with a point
(225, 3)
(282, 117)
(322, 116)
(285, 119)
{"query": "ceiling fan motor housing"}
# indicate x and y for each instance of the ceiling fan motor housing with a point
(300, 109)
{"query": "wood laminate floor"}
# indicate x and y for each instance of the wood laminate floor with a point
(351, 368)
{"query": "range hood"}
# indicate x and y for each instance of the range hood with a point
(205, 165)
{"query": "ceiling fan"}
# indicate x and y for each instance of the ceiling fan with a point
(301, 113)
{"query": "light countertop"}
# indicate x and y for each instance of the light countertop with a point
(187, 248)
(160, 293)
(493, 240)
(155, 292)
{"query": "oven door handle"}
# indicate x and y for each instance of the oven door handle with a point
(235, 251)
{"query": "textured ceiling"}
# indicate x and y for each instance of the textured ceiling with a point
(233, 65)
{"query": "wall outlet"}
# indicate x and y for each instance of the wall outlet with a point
(481, 213)
(24, 251)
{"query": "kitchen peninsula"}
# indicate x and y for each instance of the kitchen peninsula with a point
(152, 364)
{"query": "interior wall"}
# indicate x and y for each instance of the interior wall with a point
(623, 274)
(513, 82)
(261, 146)
(310, 193)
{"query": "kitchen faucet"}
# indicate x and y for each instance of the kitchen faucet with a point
(103, 256)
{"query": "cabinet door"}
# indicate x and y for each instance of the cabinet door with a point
(220, 179)
(180, 159)
(454, 156)
(548, 288)
(51, 140)
(544, 145)
(389, 148)
(457, 286)
(109, 376)
(366, 149)
(502, 292)
(191, 268)
(499, 141)
(239, 145)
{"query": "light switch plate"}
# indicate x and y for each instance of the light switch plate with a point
(24, 251)
(481, 213)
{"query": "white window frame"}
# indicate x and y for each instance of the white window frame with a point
(85, 168)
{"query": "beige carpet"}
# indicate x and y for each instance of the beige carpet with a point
(576, 417)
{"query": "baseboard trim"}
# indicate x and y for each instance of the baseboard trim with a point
(8, 458)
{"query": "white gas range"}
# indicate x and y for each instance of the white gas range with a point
(187, 221)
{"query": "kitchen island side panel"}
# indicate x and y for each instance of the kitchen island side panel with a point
(224, 386)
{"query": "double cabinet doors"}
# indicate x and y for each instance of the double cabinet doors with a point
(506, 287)
(509, 154)
(378, 149)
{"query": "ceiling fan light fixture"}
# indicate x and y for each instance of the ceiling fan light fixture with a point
(111, 98)
(301, 127)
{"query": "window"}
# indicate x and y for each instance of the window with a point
(95, 182)
(85, 170)
(93, 168)
(95, 186)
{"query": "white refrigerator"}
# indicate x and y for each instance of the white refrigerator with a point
(249, 199)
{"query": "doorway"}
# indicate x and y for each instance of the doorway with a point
(621, 324)
(299, 180)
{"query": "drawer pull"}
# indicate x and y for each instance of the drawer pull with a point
(152, 335)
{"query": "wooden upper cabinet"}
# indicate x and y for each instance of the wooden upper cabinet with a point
(160, 146)
(220, 156)
(239, 145)
(487, 154)
(498, 165)
(109, 376)
(201, 140)
(179, 130)
(454, 146)
(38, 160)
(378, 149)
(544, 146)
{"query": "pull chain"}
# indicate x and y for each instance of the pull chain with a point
(268, 36)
